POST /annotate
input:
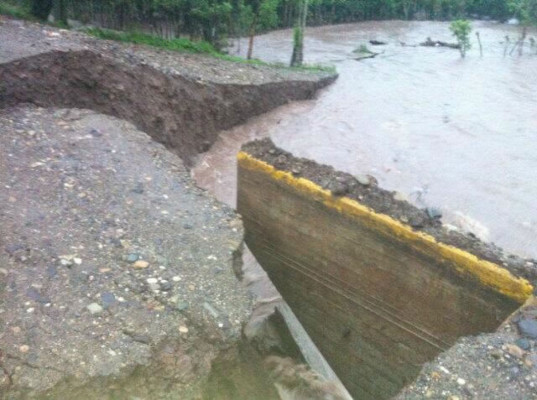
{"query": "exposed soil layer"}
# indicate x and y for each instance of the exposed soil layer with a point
(365, 189)
(182, 111)
(183, 114)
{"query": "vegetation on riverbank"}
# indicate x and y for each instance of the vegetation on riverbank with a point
(15, 11)
(185, 45)
(215, 20)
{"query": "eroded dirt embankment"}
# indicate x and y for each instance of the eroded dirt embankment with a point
(183, 114)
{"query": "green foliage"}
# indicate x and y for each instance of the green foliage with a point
(362, 49)
(268, 14)
(185, 45)
(180, 44)
(15, 11)
(461, 30)
(524, 10)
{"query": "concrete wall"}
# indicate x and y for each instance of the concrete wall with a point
(378, 298)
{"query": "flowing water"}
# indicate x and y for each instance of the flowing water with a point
(459, 135)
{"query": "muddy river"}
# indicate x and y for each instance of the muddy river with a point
(458, 135)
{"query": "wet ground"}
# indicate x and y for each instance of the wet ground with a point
(450, 133)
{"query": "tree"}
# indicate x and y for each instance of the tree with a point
(62, 11)
(298, 35)
(265, 16)
(524, 10)
(41, 9)
(461, 30)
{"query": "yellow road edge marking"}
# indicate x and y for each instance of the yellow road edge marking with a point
(488, 273)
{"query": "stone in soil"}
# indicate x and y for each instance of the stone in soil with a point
(528, 327)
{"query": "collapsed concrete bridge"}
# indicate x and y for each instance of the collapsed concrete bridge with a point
(379, 297)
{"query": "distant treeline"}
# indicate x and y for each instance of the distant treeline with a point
(214, 20)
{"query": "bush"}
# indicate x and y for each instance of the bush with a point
(461, 30)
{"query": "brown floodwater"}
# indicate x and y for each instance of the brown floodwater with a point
(459, 135)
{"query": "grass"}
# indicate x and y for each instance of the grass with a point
(15, 11)
(185, 45)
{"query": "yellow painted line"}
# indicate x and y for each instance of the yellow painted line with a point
(488, 273)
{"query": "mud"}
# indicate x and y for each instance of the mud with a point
(365, 189)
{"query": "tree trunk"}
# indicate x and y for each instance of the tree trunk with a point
(62, 11)
(298, 47)
(41, 9)
(252, 35)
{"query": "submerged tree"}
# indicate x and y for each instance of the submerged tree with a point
(298, 35)
(461, 30)
(526, 12)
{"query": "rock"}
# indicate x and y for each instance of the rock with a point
(95, 132)
(35, 295)
(66, 263)
(140, 264)
(528, 327)
(183, 329)
(363, 179)
(12, 248)
(400, 196)
(514, 350)
(94, 308)
(416, 221)
(524, 344)
(138, 189)
(133, 257)
(108, 299)
(24, 348)
(338, 188)
(433, 213)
